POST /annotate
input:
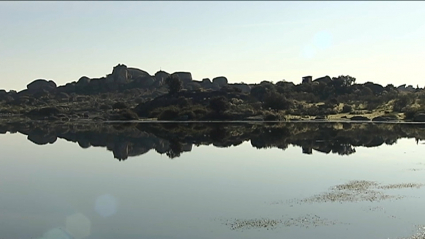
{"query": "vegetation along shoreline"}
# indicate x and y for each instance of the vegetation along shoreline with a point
(133, 94)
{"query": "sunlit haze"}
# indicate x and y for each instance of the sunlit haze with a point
(247, 42)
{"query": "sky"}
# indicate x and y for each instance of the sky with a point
(249, 42)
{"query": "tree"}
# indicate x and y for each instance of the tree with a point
(276, 101)
(342, 83)
(403, 100)
(219, 104)
(259, 92)
(174, 84)
(344, 80)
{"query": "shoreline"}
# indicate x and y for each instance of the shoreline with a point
(21, 118)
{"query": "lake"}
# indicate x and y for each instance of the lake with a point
(212, 181)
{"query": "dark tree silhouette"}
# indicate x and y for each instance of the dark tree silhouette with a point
(175, 149)
(174, 84)
(276, 101)
(219, 104)
(342, 84)
(344, 81)
(259, 92)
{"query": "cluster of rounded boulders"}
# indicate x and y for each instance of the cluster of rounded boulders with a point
(41, 85)
(160, 77)
(134, 73)
(324, 80)
(122, 78)
(120, 74)
(185, 77)
(3, 94)
(220, 81)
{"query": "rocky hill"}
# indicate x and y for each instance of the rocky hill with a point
(131, 94)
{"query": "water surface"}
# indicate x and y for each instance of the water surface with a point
(61, 190)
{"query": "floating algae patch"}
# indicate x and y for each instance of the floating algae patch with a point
(361, 185)
(270, 224)
(420, 233)
(308, 221)
(401, 186)
(372, 196)
(353, 191)
(253, 223)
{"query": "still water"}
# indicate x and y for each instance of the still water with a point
(61, 190)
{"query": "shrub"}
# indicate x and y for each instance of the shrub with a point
(168, 114)
(313, 110)
(219, 104)
(104, 107)
(119, 105)
(127, 114)
(411, 113)
(200, 111)
(403, 101)
(346, 109)
(271, 117)
(276, 101)
(183, 102)
(190, 114)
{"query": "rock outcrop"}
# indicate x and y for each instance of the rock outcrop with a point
(220, 81)
(185, 77)
(120, 74)
(323, 80)
(41, 85)
(121, 79)
(134, 73)
(377, 89)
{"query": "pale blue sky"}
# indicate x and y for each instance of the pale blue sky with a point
(244, 41)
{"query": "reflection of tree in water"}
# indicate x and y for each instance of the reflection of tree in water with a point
(127, 140)
(175, 149)
(344, 149)
(218, 133)
(271, 137)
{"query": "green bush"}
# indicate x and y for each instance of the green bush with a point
(119, 105)
(219, 104)
(276, 101)
(411, 113)
(271, 117)
(200, 111)
(183, 102)
(313, 110)
(403, 100)
(346, 109)
(168, 114)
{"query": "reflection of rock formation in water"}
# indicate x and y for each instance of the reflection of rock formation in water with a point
(127, 140)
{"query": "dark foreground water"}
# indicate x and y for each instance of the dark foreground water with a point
(60, 191)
